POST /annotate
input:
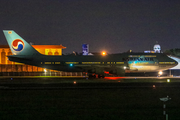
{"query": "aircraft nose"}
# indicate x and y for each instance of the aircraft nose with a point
(176, 60)
(176, 63)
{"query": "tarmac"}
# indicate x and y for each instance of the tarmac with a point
(123, 98)
(67, 82)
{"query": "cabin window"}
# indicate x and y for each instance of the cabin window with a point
(47, 63)
(119, 62)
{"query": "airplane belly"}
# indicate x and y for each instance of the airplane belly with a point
(144, 68)
(149, 68)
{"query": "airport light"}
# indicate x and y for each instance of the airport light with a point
(103, 53)
(168, 80)
(160, 73)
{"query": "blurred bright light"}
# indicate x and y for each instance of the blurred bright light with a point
(168, 80)
(103, 53)
(124, 67)
(160, 73)
(45, 70)
(71, 65)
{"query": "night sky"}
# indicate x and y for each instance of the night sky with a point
(112, 25)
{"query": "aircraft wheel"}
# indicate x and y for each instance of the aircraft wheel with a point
(101, 76)
(92, 76)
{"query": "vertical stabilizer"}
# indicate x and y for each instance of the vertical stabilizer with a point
(18, 45)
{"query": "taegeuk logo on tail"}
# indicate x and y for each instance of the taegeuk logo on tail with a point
(17, 45)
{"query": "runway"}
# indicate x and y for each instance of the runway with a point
(49, 83)
(72, 98)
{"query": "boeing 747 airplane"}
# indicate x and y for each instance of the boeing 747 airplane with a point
(116, 64)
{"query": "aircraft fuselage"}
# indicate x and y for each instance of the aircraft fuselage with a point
(131, 62)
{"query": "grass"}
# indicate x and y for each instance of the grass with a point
(75, 104)
(123, 103)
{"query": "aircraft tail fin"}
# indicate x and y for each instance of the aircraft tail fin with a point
(18, 45)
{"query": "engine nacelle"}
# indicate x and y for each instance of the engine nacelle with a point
(118, 72)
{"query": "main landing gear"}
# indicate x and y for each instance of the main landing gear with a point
(101, 76)
(96, 76)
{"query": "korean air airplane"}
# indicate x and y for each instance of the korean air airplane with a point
(116, 64)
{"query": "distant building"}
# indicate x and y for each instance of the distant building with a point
(157, 48)
(13, 68)
(43, 49)
(85, 49)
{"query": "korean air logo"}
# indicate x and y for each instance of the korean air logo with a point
(17, 45)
